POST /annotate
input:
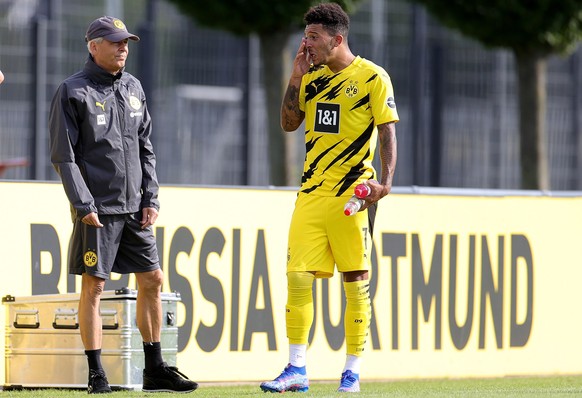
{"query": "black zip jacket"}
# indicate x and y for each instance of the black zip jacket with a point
(100, 143)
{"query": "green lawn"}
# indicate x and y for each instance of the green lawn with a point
(530, 387)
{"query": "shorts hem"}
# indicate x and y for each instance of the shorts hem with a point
(96, 274)
(148, 269)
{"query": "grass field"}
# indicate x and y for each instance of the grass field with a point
(530, 387)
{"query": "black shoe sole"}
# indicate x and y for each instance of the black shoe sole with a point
(172, 391)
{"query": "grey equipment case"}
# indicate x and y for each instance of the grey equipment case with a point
(44, 347)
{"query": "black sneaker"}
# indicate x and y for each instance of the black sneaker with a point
(98, 383)
(167, 379)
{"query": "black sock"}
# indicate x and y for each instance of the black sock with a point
(94, 359)
(153, 355)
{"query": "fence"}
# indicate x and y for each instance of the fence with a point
(457, 100)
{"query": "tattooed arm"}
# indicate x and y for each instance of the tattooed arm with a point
(387, 136)
(388, 155)
(291, 115)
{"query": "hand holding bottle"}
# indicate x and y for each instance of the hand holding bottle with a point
(361, 191)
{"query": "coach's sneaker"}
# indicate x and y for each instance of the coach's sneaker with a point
(167, 379)
(291, 378)
(350, 382)
(98, 383)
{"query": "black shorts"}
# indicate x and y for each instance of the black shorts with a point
(120, 246)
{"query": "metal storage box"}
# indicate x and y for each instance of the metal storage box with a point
(44, 347)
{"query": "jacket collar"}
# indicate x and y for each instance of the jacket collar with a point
(98, 74)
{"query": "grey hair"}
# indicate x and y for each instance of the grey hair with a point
(96, 40)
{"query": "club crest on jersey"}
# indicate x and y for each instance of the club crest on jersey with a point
(351, 90)
(90, 258)
(134, 102)
(391, 103)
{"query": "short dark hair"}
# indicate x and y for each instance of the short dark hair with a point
(331, 16)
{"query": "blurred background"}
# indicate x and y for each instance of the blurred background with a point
(206, 89)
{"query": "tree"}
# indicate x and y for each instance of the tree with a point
(532, 30)
(273, 22)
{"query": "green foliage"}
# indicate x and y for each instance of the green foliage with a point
(252, 16)
(533, 26)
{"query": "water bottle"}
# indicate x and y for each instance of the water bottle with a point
(353, 205)
(362, 190)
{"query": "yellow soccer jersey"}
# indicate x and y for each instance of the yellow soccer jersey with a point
(342, 111)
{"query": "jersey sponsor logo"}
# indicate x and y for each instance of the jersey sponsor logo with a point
(134, 102)
(101, 120)
(391, 103)
(90, 258)
(351, 90)
(327, 118)
(135, 114)
(101, 105)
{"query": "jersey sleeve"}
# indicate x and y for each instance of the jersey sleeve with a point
(382, 99)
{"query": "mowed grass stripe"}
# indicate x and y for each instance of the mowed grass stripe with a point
(507, 387)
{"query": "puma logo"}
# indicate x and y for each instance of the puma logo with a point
(101, 105)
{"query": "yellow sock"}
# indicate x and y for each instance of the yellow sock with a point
(299, 308)
(357, 316)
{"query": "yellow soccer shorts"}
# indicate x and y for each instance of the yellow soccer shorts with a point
(322, 237)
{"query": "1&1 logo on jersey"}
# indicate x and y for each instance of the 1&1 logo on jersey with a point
(327, 118)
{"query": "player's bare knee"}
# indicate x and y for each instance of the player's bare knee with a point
(92, 286)
(151, 281)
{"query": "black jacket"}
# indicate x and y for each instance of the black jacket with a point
(100, 143)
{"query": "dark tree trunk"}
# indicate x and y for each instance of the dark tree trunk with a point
(531, 71)
(275, 78)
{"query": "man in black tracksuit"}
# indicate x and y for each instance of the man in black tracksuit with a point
(100, 146)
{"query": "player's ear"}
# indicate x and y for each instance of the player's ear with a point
(338, 40)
